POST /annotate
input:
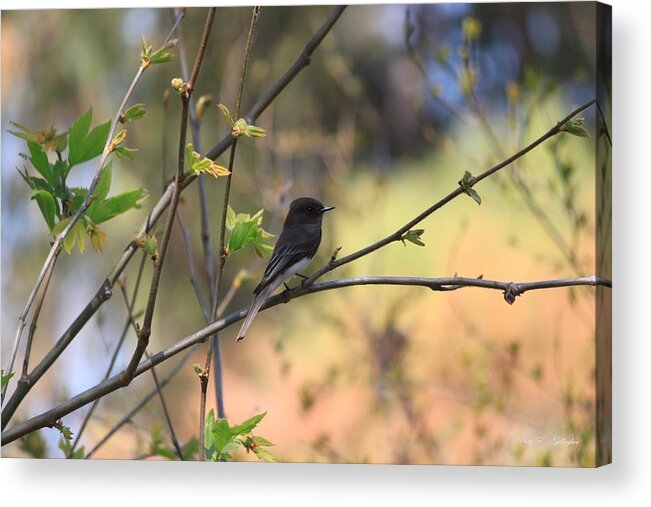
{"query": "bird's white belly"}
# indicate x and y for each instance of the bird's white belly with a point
(288, 273)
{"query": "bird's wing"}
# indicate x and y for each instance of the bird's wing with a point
(287, 253)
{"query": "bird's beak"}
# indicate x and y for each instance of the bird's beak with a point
(327, 208)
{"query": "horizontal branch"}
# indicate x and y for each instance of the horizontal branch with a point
(510, 290)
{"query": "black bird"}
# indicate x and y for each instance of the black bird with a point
(296, 246)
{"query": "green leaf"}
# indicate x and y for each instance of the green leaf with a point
(413, 236)
(230, 218)
(473, 193)
(466, 183)
(242, 234)
(76, 235)
(123, 152)
(221, 434)
(135, 112)
(5, 378)
(209, 441)
(47, 204)
(78, 133)
(262, 441)
(247, 426)
(62, 224)
(103, 183)
(116, 205)
(85, 146)
(36, 183)
(265, 455)
(575, 127)
(227, 114)
(40, 162)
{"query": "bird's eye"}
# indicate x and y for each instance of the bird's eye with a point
(310, 209)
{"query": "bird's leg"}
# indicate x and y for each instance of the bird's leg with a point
(303, 279)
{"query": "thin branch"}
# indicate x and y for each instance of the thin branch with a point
(206, 241)
(130, 415)
(510, 290)
(145, 331)
(193, 272)
(221, 259)
(105, 291)
(55, 249)
(114, 357)
(34, 323)
(168, 419)
(397, 235)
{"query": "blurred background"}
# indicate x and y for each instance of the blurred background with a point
(397, 103)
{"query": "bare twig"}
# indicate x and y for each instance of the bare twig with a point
(37, 313)
(145, 331)
(509, 289)
(129, 416)
(114, 357)
(221, 258)
(166, 413)
(55, 249)
(397, 235)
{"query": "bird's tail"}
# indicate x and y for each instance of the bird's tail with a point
(253, 311)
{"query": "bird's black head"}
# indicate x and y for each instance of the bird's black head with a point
(306, 210)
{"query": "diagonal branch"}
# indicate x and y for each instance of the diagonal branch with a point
(397, 235)
(510, 290)
(145, 331)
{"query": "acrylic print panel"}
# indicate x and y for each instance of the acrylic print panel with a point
(454, 307)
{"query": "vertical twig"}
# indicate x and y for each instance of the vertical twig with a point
(32, 326)
(206, 240)
(168, 419)
(114, 357)
(221, 258)
(145, 331)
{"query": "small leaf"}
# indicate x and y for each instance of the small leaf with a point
(575, 127)
(40, 162)
(466, 184)
(253, 131)
(149, 244)
(243, 233)
(227, 114)
(265, 455)
(116, 205)
(209, 441)
(203, 103)
(85, 146)
(97, 236)
(123, 152)
(262, 441)
(62, 224)
(5, 378)
(413, 236)
(46, 203)
(230, 218)
(135, 112)
(247, 426)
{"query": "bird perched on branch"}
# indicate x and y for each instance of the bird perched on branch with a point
(296, 247)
